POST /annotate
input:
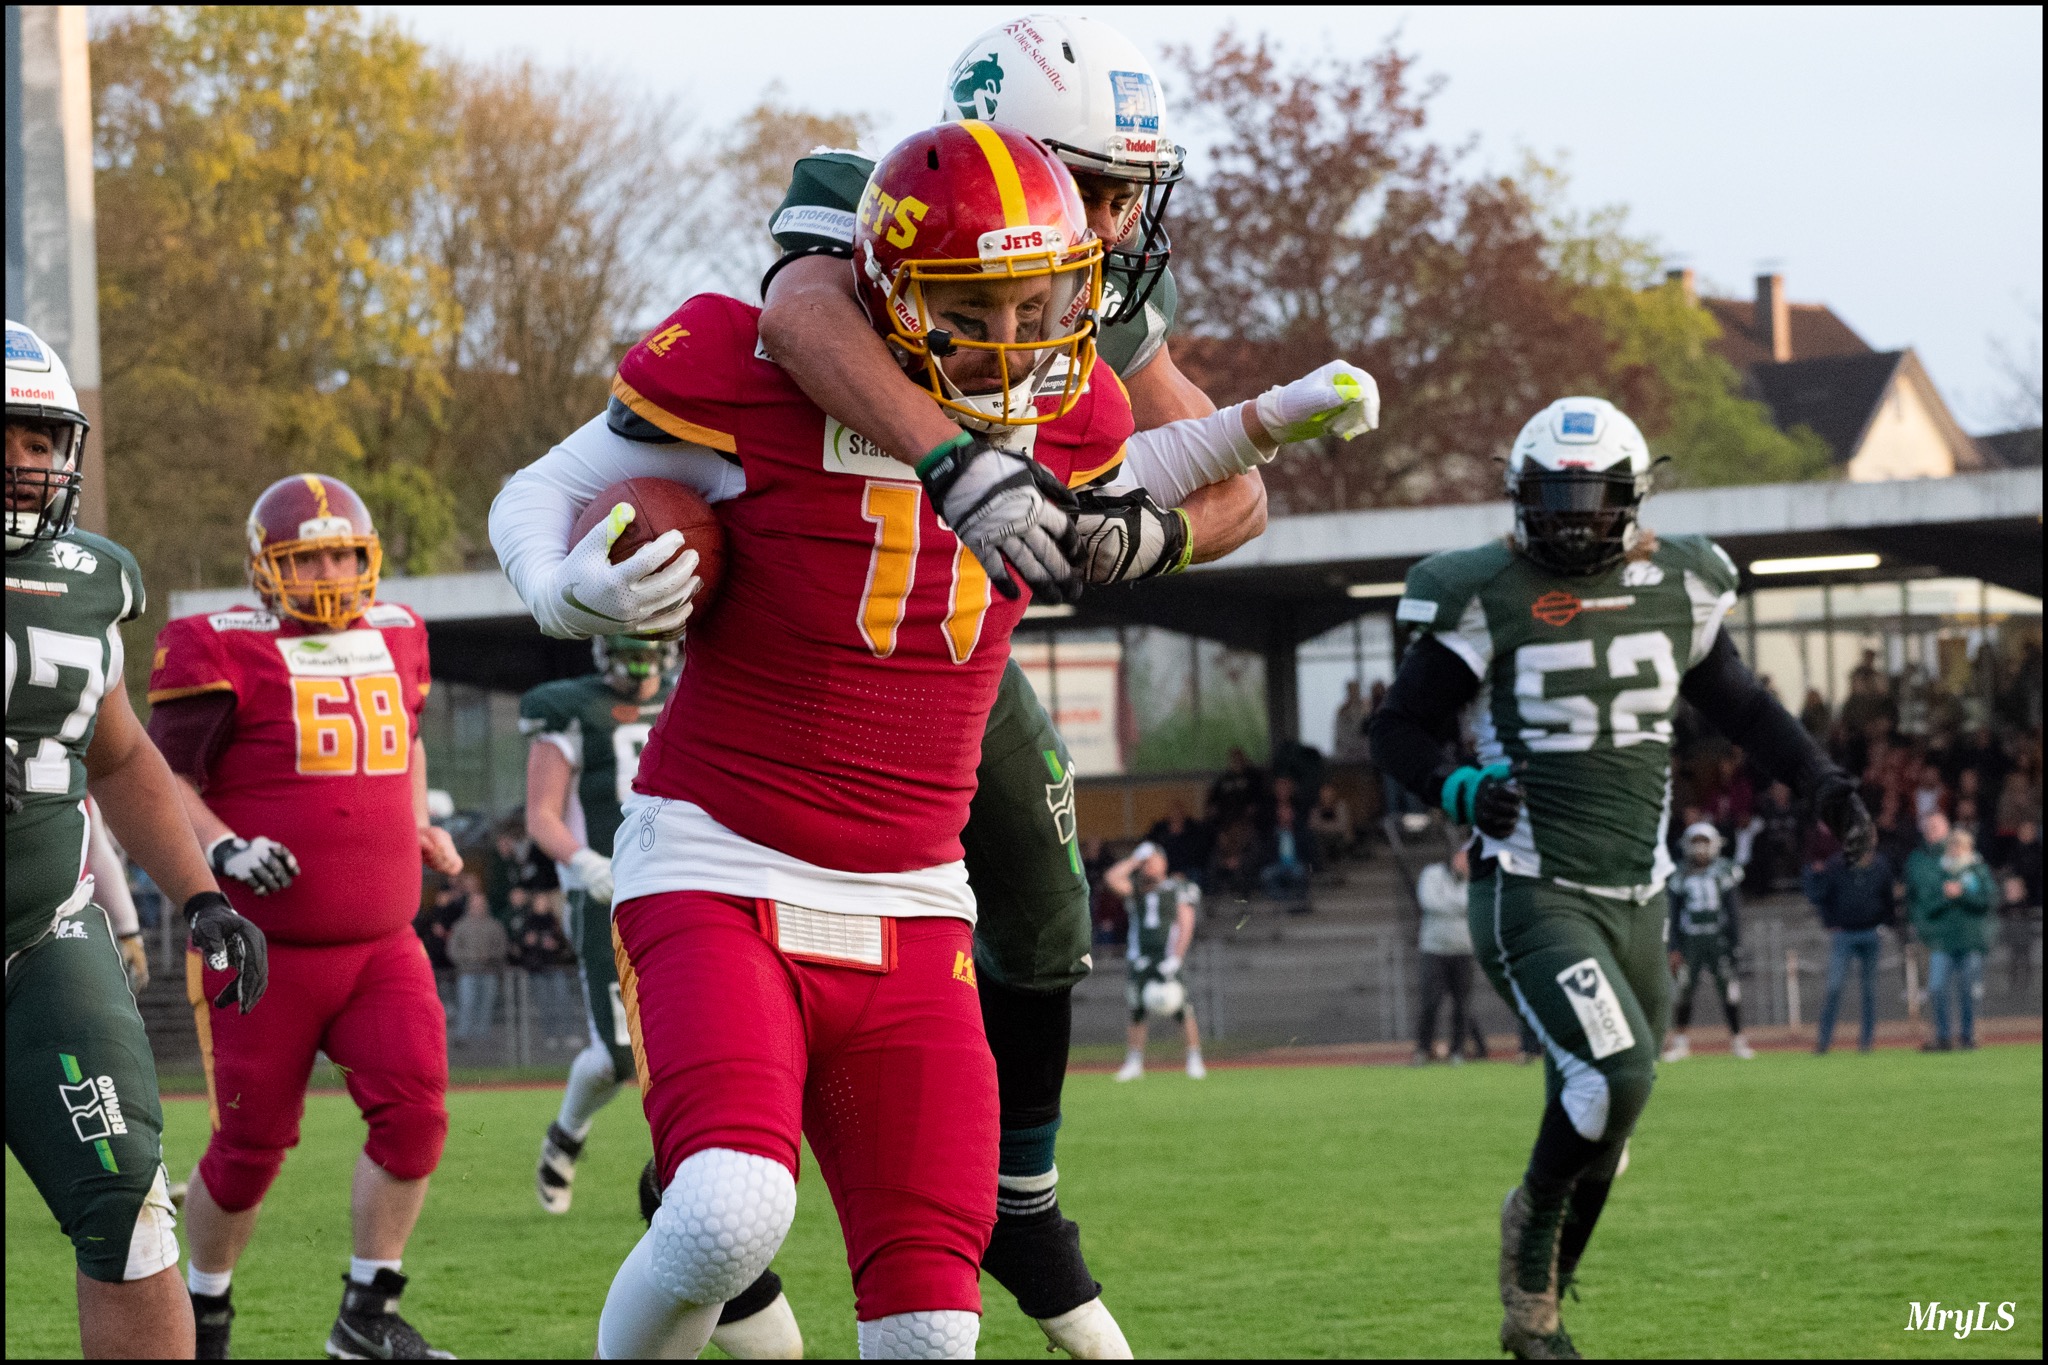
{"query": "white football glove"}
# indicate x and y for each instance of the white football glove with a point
(1006, 506)
(594, 870)
(263, 865)
(589, 595)
(1169, 967)
(1128, 536)
(1338, 400)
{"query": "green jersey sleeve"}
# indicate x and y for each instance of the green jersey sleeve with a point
(131, 572)
(1442, 598)
(552, 709)
(817, 211)
(1711, 580)
(1130, 346)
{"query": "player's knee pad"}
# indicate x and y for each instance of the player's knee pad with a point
(127, 1230)
(406, 1138)
(238, 1177)
(938, 1334)
(721, 1220)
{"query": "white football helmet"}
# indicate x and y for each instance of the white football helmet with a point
(42, 504)
(1700, 831)
(1089, 94)
(1577, 474)
(1164, 999)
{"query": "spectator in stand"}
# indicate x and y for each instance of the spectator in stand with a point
(479, 947)
(1774, 854)
(1950, 895)
(1184, 840)
(1814, 716)
(1854, 902)
(2021, 909)
(1240, 789)
(1330, 824)
(1447, 964)
(1348, 744)
(449, 904)
(540, 948)
(2019, 800)
(1930, 794)
(1288, 847)
(1234, 860)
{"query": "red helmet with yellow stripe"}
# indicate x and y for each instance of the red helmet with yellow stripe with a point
(975, 203)
(300, 515)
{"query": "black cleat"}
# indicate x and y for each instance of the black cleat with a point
(212, 1314)
(369, 1327)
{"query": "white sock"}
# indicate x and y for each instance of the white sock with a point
(643, 1321)
(1134, 1054)
(591, 1087)
(212, 1283)
(364, 1271)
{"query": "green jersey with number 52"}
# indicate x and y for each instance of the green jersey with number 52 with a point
(66, 600)
(601, 734)
(1578, 685)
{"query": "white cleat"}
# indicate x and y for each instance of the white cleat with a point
(554, 1175)
(1195, 1068)
(1133, 1068)
(1086, 1333)
(1739, 1046)
(771, 1334)
(1678, 1048)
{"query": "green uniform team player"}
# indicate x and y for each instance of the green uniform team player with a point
(1090, 95)
(587, 736)
(1566, 649)
(83, 1117)
(1159, 923)
(1705, 931)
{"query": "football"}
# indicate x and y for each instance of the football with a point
(660, 506)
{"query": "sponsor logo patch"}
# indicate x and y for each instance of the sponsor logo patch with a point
(1599, 1009)
(341, 655)
(242, 620)
(1137, 101)
(1420, 610)
(814, 220)
(39, 587)
(849, 452)
(1641, 573)
(75, 558)
(94, 1108)
(24, 352)
(963, 966)
(1560, 608)
(1578, 424)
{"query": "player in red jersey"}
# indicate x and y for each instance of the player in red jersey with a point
(793, 922)
(294, 728)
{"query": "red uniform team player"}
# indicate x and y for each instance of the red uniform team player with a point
(294, 730)
(793, 921)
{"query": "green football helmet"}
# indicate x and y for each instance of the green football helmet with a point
(627, 660)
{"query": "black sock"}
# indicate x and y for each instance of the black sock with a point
(1589, 1196)
(752, 1299)
(1558, 1159)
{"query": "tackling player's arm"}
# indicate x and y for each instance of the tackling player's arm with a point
(139, 795)
(1223, 515)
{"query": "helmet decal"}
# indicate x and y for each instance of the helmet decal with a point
(1137, 102)
(976, 84)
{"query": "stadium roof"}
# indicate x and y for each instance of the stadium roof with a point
(1296, 581)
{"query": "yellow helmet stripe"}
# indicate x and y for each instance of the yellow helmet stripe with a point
(1004, 167)
(319, 487)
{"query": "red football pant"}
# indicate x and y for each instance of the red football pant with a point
(887, 1073)
(372, 1008)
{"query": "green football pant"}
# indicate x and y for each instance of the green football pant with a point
(1587, 973)
(590, 928)
(1032, 931)
(1707, 955)
(83, 1116)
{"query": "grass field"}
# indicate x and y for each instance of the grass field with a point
(1791, 1206)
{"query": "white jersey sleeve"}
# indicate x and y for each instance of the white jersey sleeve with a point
(1172, 461)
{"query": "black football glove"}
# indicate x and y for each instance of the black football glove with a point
(1005, 506)
(263, 865)
(1836, 801)
(1489, 799)
(226, 940)
(1127, 536)
(17, 779)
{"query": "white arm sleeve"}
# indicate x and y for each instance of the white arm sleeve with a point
(533, 513)
(1172, 461)
(110, 879)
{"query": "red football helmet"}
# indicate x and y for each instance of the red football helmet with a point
(973, 201)
(312, 512)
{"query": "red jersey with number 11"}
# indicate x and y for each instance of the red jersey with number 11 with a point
(319, 759)
(836, 692)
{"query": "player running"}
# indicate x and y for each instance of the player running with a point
(1705, 929)
(587, 736)
(1571, 643)
(83, 1116)
(1090, 95)
(1160, 912)
(293, 728)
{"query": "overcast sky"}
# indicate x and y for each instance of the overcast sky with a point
(1887, 161)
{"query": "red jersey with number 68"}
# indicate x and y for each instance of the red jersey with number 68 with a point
(836, 693)
(319, 759)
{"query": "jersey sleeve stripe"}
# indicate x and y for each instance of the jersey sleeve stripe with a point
(1079, 477)
(675, 426)
(1000, 164)
(164, 694)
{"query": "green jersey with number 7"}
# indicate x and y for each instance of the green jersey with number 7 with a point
(1579, 684)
